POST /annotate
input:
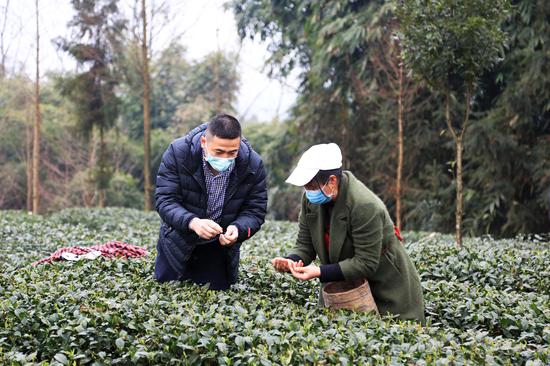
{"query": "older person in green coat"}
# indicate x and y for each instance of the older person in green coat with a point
(349, 229)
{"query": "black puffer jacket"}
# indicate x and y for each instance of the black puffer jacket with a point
(181, 196)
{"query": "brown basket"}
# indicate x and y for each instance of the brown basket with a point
(352, 295)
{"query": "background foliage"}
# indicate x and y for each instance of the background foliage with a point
(347, 96)
(345, 99)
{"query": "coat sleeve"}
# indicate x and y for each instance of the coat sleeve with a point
(367, 236)
(303, 249)
(253, 210)
(168, 198)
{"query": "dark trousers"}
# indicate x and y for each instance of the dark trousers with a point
(208, 264)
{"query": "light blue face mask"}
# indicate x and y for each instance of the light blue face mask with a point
(318, 197)
(220, 164)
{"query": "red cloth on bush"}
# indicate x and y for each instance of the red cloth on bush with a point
(110, 249)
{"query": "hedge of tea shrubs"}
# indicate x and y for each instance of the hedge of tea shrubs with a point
(487, 303)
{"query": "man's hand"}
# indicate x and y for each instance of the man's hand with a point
(305, 273)
(283, 264)
(206, 229)
(231, 235)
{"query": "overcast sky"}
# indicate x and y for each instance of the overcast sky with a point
(203, 24)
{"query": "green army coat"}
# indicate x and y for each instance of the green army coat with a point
(363, 242)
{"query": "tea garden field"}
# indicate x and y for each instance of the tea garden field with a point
(488, 303)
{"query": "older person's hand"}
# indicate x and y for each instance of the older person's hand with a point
(283, 264)
(305, 273)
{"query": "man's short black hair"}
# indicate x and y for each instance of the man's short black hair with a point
(224, 126)
(323, 175)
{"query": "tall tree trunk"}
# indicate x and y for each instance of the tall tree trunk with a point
(345, 136)
(29, 152)
(3, 50)
(146, 114)
(101, 198)
(89, 189)
(459, 147)
(36, 142)
(217, 92)
(459, 191)
(399, 148)
(102, 164)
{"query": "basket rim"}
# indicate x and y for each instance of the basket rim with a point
(362, 284)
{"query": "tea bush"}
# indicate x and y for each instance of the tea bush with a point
(488, 303)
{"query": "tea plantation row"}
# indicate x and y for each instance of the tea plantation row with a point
(487, 303)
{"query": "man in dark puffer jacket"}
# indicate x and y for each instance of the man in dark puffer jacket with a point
(211, 195)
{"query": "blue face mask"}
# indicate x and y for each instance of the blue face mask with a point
(220, 164)
(318, 197)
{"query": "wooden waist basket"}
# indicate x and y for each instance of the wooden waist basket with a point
(353, 295)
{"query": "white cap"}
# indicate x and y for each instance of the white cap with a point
(317, 157)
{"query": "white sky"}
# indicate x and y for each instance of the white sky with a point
(197, 20)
